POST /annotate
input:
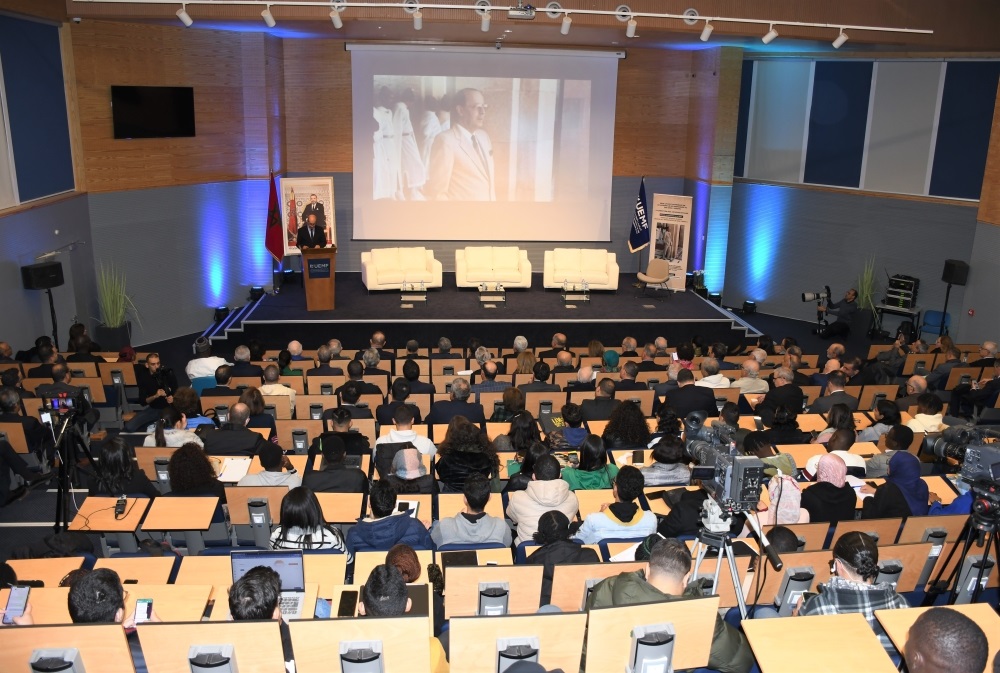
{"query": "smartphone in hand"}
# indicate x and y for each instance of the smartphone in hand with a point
(143, 610)
(17, 602)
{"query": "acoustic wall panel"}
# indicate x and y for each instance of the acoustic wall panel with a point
(902, 126)
(743, 118)
(778, 120)
(838, 119)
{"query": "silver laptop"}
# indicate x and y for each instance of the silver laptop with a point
(288, 565)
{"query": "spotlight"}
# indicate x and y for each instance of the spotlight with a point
(418, 20)
(749, 307)
(268, 17)
(706, 32)
(567, 23)
(221, 313)
(338, 22)
(486, 22)
(186, 18)
(715, 298)
(630, 28)
(769, 37)
(841, 39)
(256, 292)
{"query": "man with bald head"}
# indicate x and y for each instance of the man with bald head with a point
(558, 346)
(820, 379)
(751, 382)
(564, 363)
(942, 640)
(461, 159)
(648, 364)
(629, 344)
(489, 383)
(378, 343)
(233, 438)
(295, 350)
(584, 380)
(661, 346)
(916, 386)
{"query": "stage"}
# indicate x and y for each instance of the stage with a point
(456, 313)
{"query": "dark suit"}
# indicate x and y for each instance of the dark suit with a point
(375, 371)
(325, 370)
(563, 369)
(385, 412)
(539, 387)
(356, 412)
(662, 390)
(230, 441)
(649, 366)
(630, 384)
(220, 391)
(37, 437)
(90, 357)
(306, 239)
(823, 404)
(788, 395)
(442, 412)
(383, 354)
(723, 365)
(598, 409)
(336, 478)
(421, 388)
(446, 356)
(364, 388)
(553, 352)
(40, 372)
(576, 386)
(938, 378)
(690, 398)
(317, 210)
(247, 369)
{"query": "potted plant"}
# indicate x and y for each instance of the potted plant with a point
(866, 295)
(116, 307)
(699, 283)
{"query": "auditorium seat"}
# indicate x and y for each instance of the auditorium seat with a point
(389, 268)
(576, 265)
(507, 265)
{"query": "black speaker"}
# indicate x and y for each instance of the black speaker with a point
(956, 272)
(42, 276)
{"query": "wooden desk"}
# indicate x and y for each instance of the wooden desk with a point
(192, 516)
(811, 422)
(285, 428)
(451, 504)
(609, 634)
(405, 645)
(801, 452)
(341, 507)
(321, 569)
(145, 570)
(145, 457)
(897, 624)
(365, 561)
(887, 530)
(861, 420)
(659, 505)
(171, 602)
(912, 557)
(102, 646)
(297, 461)
(462, 597)
(591, 501)
(237, 497)
(813, 533)
(15, 435)
(560, 640)
(97, 515)
(257, 645)
(725, 590)
(866, 449)
(819, 561)
(48, 570)
(782, 645)
(994, 579)
(915, 526)
(569, 581)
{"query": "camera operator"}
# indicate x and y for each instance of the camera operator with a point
(845, 311)
(156, 390)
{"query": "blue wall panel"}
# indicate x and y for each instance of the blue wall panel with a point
(970, 90)
(837, 122)
(743, 118)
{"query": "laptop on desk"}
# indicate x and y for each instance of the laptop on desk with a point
(288, 565)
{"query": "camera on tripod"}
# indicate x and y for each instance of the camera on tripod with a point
(732, 481)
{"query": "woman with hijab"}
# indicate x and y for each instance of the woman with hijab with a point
(409, 474)
(610, 360)
(831, 498)
(903, 494)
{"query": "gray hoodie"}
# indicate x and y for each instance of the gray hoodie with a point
(527, 506)
(460, 529)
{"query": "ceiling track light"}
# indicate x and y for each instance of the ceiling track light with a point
(567, 23)
(338, 22)
(841, 39)
(769, 37)
(184, 16)
(485, 25)
(268, 17)
(706, 32)
(630, 28)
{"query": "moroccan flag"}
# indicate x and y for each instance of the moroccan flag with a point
(638, 235)
(274, 238)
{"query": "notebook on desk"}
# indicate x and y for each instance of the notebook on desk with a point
(288, 565)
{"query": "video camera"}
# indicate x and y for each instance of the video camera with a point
(732, 481)
(954, 442)
(980, 469)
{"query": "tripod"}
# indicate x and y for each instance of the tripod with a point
(984, 532)
(943, 327)
(66, 442)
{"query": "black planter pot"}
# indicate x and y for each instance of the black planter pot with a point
(113, 339)
(702, 292)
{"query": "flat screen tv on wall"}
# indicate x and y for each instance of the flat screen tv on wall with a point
(152, 111)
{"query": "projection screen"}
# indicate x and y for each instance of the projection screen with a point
(460, 143)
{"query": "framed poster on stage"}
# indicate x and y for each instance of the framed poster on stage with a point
(302, 198)
(672, 223)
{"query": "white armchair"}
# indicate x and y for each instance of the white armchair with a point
(575, 265)
(486, 264)
(389, 268)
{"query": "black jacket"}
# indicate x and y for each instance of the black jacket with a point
(690, 398)
(230, 441)
(455, 467)
(788, 395)
(442, 412)
(598, 409)
(826, 502)
(336, 478)
(558, 553)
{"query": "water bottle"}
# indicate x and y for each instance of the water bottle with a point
(422, 286)
(586, 286)
(565, 286)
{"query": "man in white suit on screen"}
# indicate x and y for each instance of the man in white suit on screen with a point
(461, 162)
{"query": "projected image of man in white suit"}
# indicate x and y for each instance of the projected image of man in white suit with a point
(461, 161)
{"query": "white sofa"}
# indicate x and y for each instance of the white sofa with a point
(575, 265)
(508, 266)
(389, 268)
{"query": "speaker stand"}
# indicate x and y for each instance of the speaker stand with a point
(55, 327)
(943, 327)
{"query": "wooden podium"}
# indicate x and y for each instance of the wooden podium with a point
(319, 267)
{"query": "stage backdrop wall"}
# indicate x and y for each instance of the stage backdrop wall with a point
(787, 240)
(981, 292)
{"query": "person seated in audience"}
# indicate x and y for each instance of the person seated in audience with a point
(385, 526)
(609, 362)
(525, 363)
(482, 356)
(688, 397)
(669, 466)
(39, 440)
(626, 428)
(897, 438)
(489, 383)
(760, 355)
(557, 548)
(987, 355)
(323, 355)
(259, 418)
(545, 492)
(522, 434)
(663, 390)
(915, 386)
(6, 353)
(403, 431)
(350, 399)
(627, 380)
(83, 349)
(750, 382)
(929, 416)
(284, 364)
(187, 401)
(604, 403)
(223, 375)
(277, 470)
(822, 378)
(886, 415)
(400, 391)
(564, 363)
(355, 375)
(903, 494)
(413, 350)
(838, 418)
(593, 471)
(840, 444)
(294, 349)
(377, 343)
(852, 587)
(571, 435)
(784, 428)
(943, 639)
(257, 351)
(629, 344)
(192, 474)
(938, 379)
(783, 392)
(585, 380)
(472, 525)
(333, 475)
(234, 438)
(648, 361)
(969, 399)
(540, 383)
(371, 359)
(255, 597)
(729, 421)
(711, 378)
(408, 473)
(12, 380)
(919, 346)
(203, 364)
(241, 364)
(759, 445)
(664, 579)
(513, 404)
(686, 355)
(273, 387)
(558, 345)
(894, 357)
(834, 394)
(384, 594)
(621, 518)
(411, 373)
(48, 358)
(443, 411)
(942, 344)
(339, 422)
(171, 430)
(522, 468)
(784, 503)
(444, 351)
(465, 451)
(302, 525)
(667, 423)
(11, 462)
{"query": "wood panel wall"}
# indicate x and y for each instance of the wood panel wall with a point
(989, 200)
(713, 114)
